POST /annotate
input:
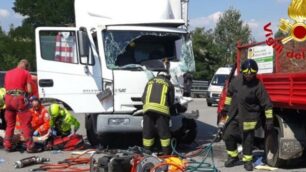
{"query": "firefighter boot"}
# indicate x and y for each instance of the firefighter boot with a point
(248, 166)
(231, 161)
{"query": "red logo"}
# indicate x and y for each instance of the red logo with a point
(295, 30)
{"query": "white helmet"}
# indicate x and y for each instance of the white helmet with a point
(165, 74)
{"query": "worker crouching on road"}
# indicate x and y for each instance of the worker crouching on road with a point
(62, 120)
(157, 99)
(249, 96)
(40, 118)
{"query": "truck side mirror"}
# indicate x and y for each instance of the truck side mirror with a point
(84, 46)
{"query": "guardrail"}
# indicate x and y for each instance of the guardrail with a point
(199, 88)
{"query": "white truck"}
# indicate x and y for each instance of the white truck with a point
(101, 66)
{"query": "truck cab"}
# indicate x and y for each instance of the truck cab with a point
(100, 67)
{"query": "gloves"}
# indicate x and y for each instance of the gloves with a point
(269, 124)
(35, 133)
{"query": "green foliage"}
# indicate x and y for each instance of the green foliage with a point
(229, 30)
(206, 53)
(214, 49)
(19, 42)
(280, 34)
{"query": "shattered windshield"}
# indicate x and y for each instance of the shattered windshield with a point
(133, 49)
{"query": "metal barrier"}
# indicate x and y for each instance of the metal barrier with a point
(199, 88)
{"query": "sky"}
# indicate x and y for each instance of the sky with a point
(202, 13)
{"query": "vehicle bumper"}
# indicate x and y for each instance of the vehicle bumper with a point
(125, 123)
(212, 100)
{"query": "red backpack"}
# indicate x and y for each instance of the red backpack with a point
(67, 143)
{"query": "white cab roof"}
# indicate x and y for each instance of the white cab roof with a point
(91, 13)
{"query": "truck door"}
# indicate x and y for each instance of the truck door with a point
(64, 75)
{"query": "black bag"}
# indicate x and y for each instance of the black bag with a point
(114, 163)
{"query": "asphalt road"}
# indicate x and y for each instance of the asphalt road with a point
(206, 130)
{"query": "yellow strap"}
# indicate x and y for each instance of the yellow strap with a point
(269, 113)
(149, 90)
(228, 100)
(232, 153)
(246, 158)
(148, 142)
(247, 71)
(164, 95)
(249, 125)
(165, 142)
(157, 107)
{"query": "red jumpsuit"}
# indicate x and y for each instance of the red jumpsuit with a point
(15, 83)
(40, 120)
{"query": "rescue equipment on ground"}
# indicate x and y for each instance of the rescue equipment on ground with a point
(30, 161)
(68, 143)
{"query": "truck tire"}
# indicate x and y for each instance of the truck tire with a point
(187, 133)
(90, 131)
(209, 103)
(272, 149)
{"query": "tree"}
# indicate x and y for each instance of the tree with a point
(44, 13)
(19, 42)
(280, 34)
(206, 53)
(229, 30)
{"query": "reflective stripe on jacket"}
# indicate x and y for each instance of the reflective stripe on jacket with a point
(64, 121)
(158, 95)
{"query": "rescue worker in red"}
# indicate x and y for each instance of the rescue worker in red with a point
(248, 98)
(17, 85)
(158, 98)
(40, 118)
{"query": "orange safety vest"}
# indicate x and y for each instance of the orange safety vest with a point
(40, 120)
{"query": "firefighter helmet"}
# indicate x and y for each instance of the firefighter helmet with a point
(249, 67)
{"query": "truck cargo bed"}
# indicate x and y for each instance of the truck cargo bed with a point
(287, 90)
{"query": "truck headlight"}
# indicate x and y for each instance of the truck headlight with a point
(118, 121)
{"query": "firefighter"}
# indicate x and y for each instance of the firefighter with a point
(247, 97)
(62, 120)
(2, 108)
(158, 98)
(17, 85)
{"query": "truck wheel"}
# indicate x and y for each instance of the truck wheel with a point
(272, 149)
(91, 134)
(187, 133)
(209, 104)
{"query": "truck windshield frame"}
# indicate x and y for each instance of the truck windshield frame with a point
(125, 49)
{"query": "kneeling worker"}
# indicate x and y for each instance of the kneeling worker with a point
(62, 120)
(157, 99)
